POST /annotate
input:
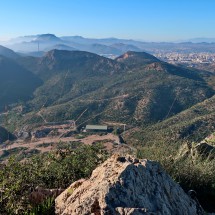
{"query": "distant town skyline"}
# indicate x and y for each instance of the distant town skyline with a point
(154, 20)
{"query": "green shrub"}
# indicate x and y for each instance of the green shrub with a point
(191, 173)
(53, 170)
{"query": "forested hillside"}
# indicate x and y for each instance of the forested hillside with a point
(136, 88)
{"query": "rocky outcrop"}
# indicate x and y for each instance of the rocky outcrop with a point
(24, 135)
(201, 150)
(155, 66)
(124, 185)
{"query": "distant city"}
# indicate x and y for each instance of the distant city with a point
(186, 58)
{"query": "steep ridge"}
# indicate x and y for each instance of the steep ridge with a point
(123, 185)
(8, 52)
(16, 83)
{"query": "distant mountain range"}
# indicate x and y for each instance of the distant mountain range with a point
(201, 40)
(110, 47)
(46, 42)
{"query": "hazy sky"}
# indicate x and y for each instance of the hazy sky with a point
(151, 20)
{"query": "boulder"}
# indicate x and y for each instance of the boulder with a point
(23, 135)
(123, 186)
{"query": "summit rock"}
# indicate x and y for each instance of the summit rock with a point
(125, 185)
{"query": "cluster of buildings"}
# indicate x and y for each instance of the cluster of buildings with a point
(187, 58)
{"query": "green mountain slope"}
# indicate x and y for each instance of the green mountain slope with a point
(193, 124)
(5, 135)
(136, 88)
(67, 75)
(16, 83)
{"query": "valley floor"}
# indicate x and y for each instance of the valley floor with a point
(41, 145)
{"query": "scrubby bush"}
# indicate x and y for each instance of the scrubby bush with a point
(53, 170)
(191, 173)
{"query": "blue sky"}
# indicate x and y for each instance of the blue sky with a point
(151, 20)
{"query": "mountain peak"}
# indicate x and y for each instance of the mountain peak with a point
(47, 37)
(85, 63)
(137, 58)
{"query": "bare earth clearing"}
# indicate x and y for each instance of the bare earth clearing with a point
(37, 144)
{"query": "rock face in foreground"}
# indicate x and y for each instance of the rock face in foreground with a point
(123, 185)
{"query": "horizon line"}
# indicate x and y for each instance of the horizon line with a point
(8, 39)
